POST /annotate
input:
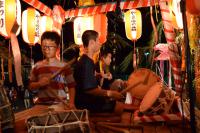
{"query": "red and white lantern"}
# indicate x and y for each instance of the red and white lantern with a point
(97, 22)
(31, 26)
(10, 13)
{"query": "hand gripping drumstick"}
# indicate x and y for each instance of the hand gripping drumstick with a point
(69, 63)
(135, 84)
(130, 87)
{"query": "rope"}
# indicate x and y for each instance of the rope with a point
(77, 123)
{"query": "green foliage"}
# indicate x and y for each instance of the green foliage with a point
(126, 62)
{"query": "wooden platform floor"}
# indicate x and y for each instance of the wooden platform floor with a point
(149, 128)
(156, 127)
(153, 127)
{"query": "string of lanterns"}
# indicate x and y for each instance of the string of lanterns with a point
(11, 12)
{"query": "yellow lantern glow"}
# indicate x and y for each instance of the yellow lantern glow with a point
(86, 2)
(97, 22)
(133, 24)
(10, 13)
(30, 26)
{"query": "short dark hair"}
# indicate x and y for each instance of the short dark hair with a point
(104, 51)
(89, 35)
(51, 35)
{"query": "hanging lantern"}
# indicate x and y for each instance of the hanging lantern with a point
(97, 22)
(86, 2)
(133, 24)
(193, 6)
(100, 25)
(46, 24)
(177, 20)
(30, 26)
(10, 13)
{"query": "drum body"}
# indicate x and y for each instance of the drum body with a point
(6, 112)
(21, 117)
(158, 100)
(73, 121)
(146, 78)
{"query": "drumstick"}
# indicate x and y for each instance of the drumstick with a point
(63, 68)
(135, 84)
(130, 86)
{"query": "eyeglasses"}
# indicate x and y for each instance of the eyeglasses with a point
(48, 47)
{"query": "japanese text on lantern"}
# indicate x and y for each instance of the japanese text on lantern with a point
(79, 31)
(133, 24)
(1, 13)
(133, 21)
(37, 29)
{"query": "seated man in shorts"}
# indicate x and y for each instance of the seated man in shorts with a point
(88, 94)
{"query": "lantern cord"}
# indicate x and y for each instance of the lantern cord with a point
(9, 63)
(155, 35)
(62, 45)
(134, 57)
(156, 6)
(64, 1)
(188, 68)
(9, 49)
(32, 63)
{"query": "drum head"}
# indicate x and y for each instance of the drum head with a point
(147, 78)
(150, 97)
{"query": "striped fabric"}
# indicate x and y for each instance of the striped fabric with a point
(176, 115)
(175, 59)
(48, 93)
(40, 6)
(154, 118)
(58, 18)
(102, 8)
(108, 7)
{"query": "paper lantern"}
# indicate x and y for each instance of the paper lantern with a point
(133, 24)
(97, 22)
(10, 13)
(177, 20)
(86, 2)
(193, 6)
(46, 24)
(30, 26)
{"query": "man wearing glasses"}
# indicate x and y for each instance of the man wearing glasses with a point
(52, 91)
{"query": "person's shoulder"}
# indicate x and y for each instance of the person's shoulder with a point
(85, 59)
(57, 63)
(39, 64)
